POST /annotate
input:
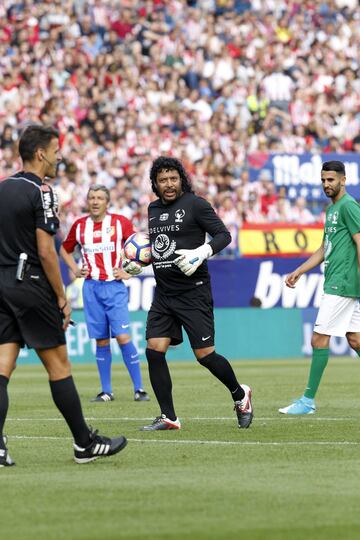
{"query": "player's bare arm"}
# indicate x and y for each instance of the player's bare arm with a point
(119, 273)
(71, 263)
(50, 263)
(314, 260)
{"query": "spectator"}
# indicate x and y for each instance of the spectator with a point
(268, 198)
(122, 86)
(300, 214)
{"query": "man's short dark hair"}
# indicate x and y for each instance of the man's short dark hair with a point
(164, 163)
(99, 187)
(34, 137)
(336, 166)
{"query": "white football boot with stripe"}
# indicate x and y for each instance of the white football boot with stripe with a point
(104, 396)
(100, 447)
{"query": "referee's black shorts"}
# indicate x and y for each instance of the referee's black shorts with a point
(29, 313)
(193, 310)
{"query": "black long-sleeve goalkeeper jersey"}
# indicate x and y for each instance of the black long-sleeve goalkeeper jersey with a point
(182, 224)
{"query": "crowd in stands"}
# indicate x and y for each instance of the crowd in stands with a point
(208, 81)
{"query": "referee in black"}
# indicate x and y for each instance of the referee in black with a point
(33, 307)
(178, 224)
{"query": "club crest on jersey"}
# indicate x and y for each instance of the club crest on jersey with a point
(162, 247)
(333, 217)
(179, 214)
(110, 230)
(164, 217)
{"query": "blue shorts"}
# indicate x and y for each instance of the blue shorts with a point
(106, 308)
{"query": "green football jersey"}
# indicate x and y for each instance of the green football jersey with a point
(340, 255)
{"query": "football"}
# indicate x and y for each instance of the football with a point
(138, 248)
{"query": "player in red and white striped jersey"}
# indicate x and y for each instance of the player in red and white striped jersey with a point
(101, 243)
(101, 236)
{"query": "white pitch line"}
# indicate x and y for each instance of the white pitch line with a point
(218, 443)
(281, 418)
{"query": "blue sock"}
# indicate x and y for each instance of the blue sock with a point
(131, 359)
(103, 360)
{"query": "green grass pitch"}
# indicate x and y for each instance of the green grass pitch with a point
(284, 478)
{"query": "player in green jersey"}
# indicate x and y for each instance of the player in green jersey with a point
(339, 312)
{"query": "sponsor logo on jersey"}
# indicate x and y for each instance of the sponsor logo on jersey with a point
(164, 228)
(164, 217)
(97, 234)
(101, 247)
(48, 205)
(162, 247)
(333, 217)
(162, 243)
(179, 214)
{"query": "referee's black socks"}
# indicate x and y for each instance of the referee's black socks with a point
(161, 382)
(4, 406)
(67, 400)
(222, 370)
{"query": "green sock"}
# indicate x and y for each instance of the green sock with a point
(320, 358)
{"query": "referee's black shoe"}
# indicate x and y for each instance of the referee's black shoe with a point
(99, 447)
(243, 408)
(5, 459)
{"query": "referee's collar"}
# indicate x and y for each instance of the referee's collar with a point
(30, 176)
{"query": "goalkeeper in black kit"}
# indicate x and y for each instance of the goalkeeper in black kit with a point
(178, 223)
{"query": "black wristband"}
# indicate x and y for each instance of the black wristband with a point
(64, 306)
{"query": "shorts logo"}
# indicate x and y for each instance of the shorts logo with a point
(205, 338)
(179, 214)
(164, 217)
(124, 326)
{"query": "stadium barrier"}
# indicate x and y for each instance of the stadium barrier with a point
(241, 333)
(300, 173)
(281, 328)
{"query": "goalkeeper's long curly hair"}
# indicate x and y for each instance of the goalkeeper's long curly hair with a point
(164, 163)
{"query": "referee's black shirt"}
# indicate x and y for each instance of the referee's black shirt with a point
(182, 224)
(26, 204)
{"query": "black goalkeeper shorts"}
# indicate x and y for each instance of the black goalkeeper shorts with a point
(29, 313)
(192, 310)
